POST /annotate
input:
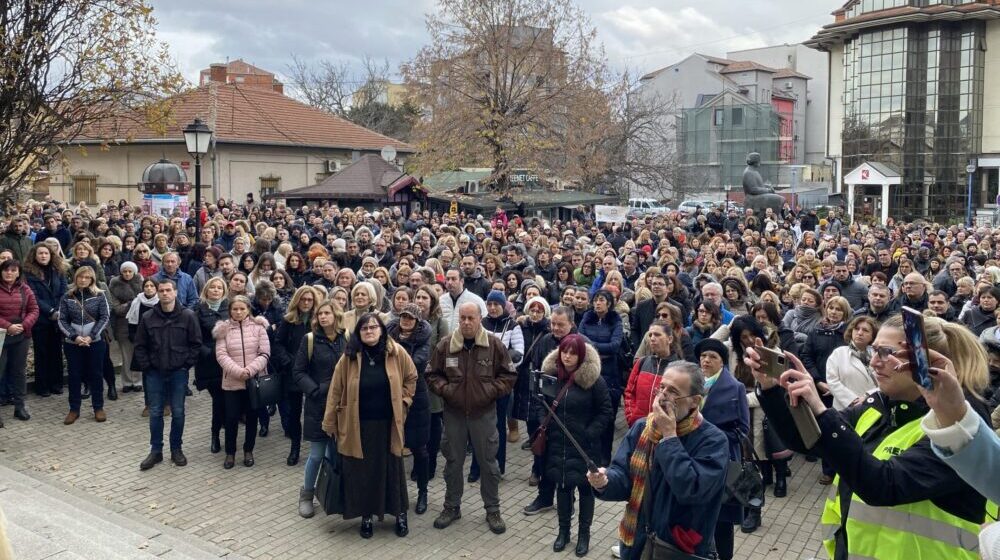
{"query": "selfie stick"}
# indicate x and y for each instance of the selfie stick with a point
(591, 465)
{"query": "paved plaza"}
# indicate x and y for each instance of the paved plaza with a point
(76, 492)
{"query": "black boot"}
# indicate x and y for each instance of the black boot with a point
(216, 444)
(751, 521)
(293, 455)
(781, 483)
(564, 507)
(421, 506)
(586, 518)
(402, 527)
(367, 527)
(766, 472)
(112, 393)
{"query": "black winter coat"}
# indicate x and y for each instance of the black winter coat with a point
(167, 341)
(312, 377)
(207, 372)
(48, 292)
(586, 411)
(284, 350)
(822, 341)
(417, 430)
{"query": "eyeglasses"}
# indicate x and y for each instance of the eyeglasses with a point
(884, 352)
(663, 315)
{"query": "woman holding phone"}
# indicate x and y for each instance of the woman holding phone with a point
(887, 470)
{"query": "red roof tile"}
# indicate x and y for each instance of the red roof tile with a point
(789, 73)
(368, 178)
(240, 114)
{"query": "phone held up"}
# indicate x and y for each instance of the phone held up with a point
(772, 362)
(916, 341)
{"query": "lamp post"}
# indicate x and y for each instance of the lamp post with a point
(198, 137)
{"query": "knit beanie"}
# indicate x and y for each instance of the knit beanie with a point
(538, 300)
(129, 265)
(713, 345)
(496, 296)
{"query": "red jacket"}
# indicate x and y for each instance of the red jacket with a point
(147, 268)
(11, 306)
(643, 385)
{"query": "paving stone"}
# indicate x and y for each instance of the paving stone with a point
(252, 512)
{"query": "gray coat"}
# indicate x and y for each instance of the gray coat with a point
(120, 296)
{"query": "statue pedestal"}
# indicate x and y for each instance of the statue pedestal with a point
(760, 202)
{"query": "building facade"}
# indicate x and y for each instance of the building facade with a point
(749, 101)
(264, 143)
(913, 79)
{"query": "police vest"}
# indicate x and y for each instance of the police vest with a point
(903, 532)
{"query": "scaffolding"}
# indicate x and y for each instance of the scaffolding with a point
(716, 138)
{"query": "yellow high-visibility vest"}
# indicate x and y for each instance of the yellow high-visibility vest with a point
(917, 531)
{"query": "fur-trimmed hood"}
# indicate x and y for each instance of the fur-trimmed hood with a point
(586, 374)
(222, 327)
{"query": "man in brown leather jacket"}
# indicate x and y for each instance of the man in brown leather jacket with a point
(470, 370)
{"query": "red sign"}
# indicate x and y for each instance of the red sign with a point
(186, 165)
(864, 173)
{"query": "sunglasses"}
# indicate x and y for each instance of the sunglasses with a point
(884, 352)
(663, 315)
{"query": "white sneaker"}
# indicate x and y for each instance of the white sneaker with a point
(616, 551)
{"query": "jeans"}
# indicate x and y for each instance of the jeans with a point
(164, 388)
(86, 365)
(13, 364)
(502, 406)
(317, 451)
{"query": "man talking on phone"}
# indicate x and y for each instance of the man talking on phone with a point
(680, 460)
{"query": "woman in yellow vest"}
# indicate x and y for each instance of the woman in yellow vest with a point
(893, 498)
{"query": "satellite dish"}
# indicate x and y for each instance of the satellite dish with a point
(389, 153)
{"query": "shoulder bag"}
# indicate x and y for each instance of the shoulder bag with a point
(263, 389)
(538, 439)
(657, 548)
(330, 485)
(744, 482)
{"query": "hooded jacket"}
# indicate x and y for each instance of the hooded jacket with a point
(242, 350)
(585, 410)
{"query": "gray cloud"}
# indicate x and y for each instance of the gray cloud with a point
(639, 34)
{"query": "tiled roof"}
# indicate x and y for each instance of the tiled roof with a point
(368, 178)
(843, 28)
(745, 66)
(789, 73)
(240, 114)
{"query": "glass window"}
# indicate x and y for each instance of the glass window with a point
(85, 189)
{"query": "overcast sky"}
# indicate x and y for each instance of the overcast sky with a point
(638, 34)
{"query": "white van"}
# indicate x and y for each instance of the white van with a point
(645, 207)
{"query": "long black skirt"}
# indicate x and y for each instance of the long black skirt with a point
(375, 485)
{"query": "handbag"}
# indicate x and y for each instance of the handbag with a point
(744, 482)
(330, 486)
(264, 389)
(538, 439)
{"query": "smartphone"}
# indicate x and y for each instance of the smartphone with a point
(773, 363)
(805, 422)
(916, 340)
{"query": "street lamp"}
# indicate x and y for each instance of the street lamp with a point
(198, 137)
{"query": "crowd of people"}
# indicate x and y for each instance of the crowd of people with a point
(431, 335)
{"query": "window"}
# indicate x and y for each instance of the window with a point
(85, 189)
(737, 116)
(40, 187)
(269, 185)
(720, 117)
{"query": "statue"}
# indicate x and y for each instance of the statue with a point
(759, 195)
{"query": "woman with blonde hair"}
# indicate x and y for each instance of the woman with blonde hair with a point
(312, 372)
(242, 349)
(296, 323)
(212, 308)
(364, 299)
(144, 260)
(83, 316)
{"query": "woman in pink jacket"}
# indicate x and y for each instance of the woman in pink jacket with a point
(242, 349)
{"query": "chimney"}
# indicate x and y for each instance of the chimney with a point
(279, 87)
(217, 72)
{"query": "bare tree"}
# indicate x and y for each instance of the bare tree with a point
(499, 82)
(361, 96)
(71, 68)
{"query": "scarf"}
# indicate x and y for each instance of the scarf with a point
(140, 300)
(865, 358)
(639, 465)
(213, 305)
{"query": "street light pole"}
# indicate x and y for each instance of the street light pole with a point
(198, 137)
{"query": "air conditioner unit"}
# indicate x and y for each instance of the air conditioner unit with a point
(332, 166)
(789, 85)
(471, 187)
